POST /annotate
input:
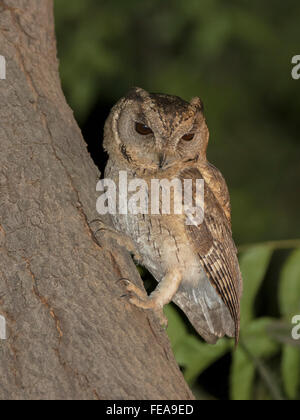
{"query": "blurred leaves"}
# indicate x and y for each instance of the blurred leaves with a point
(281, 332)
(255, 346)
(289, 291)
(290, 367)
(177, 329)
(191, 353)
(289, 301)
(196, 356)
(254, 264)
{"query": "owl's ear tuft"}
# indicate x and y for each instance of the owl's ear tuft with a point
(197, 104)
(137, 93)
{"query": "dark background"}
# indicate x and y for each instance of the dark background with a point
(236, 55)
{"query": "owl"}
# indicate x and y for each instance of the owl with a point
(158, 136)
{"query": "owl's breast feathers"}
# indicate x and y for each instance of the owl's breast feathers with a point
(213, 243)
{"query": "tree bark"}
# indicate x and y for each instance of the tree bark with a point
(69, 335)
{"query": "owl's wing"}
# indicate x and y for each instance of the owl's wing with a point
(213, 243)
(218, 186)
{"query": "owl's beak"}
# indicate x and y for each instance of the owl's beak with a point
(162, 159)
(165, 161)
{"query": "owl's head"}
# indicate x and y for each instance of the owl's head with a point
(156, 131)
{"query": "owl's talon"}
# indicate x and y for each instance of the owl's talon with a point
(124, 281)
(135, 291)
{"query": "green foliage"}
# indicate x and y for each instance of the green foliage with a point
(289, 291)
(192, 354)
(254, 264)
(255, 346)
(289, 300)
(290, 367)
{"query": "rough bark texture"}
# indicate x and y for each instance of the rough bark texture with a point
(70, 336)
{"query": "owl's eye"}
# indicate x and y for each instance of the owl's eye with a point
(143, 129)
(188, 137)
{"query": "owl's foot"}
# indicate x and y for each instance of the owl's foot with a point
(140, 299)
(132, 290)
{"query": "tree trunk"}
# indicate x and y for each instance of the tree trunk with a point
(69, 335)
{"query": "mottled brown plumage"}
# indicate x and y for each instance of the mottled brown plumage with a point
(164, 137)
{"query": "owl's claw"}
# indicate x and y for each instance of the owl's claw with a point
(133, 290)
(123, 281)
(140, 299)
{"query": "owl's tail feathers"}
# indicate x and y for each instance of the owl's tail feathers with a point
(207, 312)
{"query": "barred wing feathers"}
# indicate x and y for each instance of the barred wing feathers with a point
(213, 243)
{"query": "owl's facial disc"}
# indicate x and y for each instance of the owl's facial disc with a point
(158, 147)
(155, 131)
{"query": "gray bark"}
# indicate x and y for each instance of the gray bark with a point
(69, 335)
